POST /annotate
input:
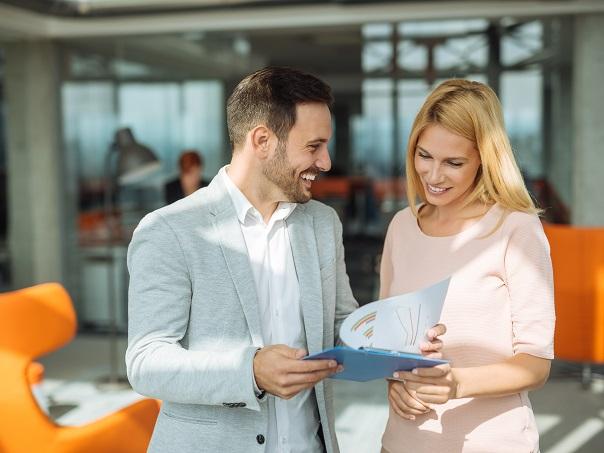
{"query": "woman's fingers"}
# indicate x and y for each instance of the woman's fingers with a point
(403, 402)
(429, 394)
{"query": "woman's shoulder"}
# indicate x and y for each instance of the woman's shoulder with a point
(403, 219)
(521, 221)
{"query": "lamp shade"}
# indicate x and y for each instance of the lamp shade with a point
(135, 161)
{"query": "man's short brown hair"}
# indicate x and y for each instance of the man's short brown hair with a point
(269, 96)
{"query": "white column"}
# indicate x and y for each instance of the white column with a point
(588, 121)
(34, 158)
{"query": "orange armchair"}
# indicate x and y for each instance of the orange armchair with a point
(33, 322)
(578, 262)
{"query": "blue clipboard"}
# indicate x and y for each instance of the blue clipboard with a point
(367, 364)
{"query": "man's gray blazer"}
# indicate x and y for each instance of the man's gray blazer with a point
(193, 319)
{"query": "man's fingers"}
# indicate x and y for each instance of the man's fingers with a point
(290, 392)
(300, 353)
(311, 378)
(308, 378)
(309, 366)
(288, 352)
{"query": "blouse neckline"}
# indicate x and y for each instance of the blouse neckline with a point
(465, 232)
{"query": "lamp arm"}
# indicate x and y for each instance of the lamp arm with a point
(108, 208)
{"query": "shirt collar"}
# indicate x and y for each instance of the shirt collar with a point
(243, 207)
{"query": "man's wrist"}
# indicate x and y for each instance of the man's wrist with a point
(257, 390)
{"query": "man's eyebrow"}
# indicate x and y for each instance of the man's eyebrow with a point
(317, 140)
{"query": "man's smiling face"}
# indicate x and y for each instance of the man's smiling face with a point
(296, 163)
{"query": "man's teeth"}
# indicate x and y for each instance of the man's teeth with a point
(436, 189)
(309, 177)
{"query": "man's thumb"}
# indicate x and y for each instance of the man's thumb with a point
(299, 353)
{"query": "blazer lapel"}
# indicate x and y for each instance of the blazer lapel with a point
(306, 260)
(232, 243)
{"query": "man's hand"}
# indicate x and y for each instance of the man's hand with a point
(279, 370)
(433, 347)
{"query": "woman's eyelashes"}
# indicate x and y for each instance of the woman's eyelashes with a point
(452, 163)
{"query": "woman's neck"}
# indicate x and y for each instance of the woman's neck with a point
(449, 220)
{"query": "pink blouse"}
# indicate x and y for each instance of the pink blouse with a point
(500, 303)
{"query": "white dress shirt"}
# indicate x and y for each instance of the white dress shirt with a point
(294, 423)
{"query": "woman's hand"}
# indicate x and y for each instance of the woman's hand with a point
(403, 401)
(435, 385)
(434, 346)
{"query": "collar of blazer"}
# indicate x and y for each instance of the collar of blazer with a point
(306, 260)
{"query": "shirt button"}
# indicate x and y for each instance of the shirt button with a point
(260, 439)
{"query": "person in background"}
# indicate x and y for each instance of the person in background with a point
(190, 165)
(477, 223)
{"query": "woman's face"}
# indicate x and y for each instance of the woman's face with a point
(447, 165)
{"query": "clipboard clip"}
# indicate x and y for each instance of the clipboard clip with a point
(387, 351)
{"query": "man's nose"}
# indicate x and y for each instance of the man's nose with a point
(323, 160)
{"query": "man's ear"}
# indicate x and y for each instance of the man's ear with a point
(261, 141)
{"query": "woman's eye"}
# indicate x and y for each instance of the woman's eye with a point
(455, 164)
(423, 156)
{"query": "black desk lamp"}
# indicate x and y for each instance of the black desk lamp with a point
(134, 163)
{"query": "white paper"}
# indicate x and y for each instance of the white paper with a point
(398, 323)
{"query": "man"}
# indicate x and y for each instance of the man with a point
(231, 286)
(190, 171)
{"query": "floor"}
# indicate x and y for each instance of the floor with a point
(570, 418)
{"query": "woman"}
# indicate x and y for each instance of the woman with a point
(190, 165)
(477, 223)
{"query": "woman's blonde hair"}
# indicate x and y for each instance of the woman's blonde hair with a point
(471, 109)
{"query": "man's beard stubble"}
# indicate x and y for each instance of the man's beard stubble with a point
(279, 172)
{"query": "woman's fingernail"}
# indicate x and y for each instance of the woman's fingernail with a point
(415, 371)
(412, 417)
(395, 375)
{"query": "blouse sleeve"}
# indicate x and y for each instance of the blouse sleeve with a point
(530, 285)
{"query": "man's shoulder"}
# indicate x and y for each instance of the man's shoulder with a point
(188, 211)
(319, 210)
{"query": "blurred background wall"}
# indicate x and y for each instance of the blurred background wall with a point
(74, 72)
